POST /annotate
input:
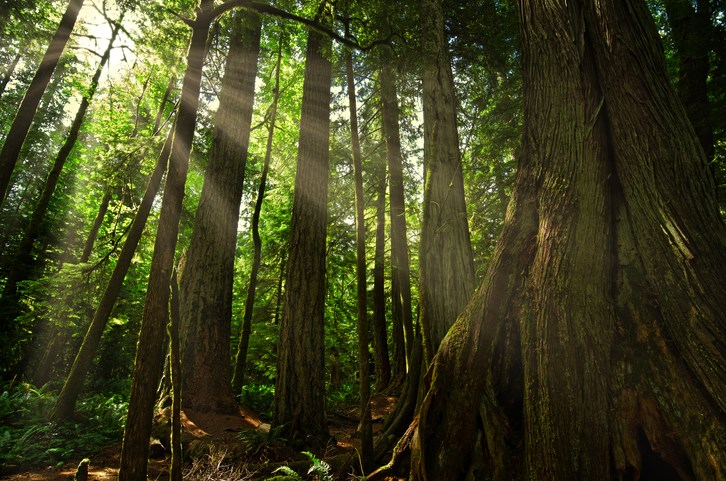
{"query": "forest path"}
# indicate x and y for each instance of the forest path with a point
(222, 431)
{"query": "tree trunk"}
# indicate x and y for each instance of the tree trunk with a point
(592, 349)
(244, 338)
(692, 35)
(66, 402)
(29, 105)
(401, 274)
(149, 351)
(207, 281)
(9, 73)
(447, 277)
(300, 386)
(365, 430)
(175, 371)
(380, 332)
(97, 223)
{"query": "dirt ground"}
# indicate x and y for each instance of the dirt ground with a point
(221, 431)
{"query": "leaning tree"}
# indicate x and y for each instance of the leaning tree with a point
(594, 349)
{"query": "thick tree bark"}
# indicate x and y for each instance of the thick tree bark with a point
(29, 105)
(207, 280)
(149, 351)
(246, 331)
(365, 430)
(300, 385)
(593, 348)
(447, 277)
(66, 402)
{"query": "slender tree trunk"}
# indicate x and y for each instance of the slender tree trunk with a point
(29, 105)
(175, 371)
(96, 226)
(280, 285)
(591, 350)
(244, 338)
(73, 384)
(365, 430)
(380, 332)
(447, 277)
(207, 283)
(149, 351)
(300, 385)
(399, 240)
(9, 73)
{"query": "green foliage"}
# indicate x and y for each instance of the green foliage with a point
(259, 397)
(27, 438)
(259, 441)
(319, 471)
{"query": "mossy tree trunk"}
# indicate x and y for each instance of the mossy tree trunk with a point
(594, 347)
(447, 277)
(207, 280)
(300, 386)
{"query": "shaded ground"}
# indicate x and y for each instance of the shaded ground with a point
(217, 433)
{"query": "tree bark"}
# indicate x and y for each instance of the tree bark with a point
(244, 338)
(447, 277)
(380, 332)
(29, 105)
(175, 372)
(300, 385)
(591, 350)
(66, 402)
(149, 352)
(207, 280)
(401, 271)
(365, 430)
(692, 35)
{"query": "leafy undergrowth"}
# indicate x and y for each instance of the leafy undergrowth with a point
(218, 447)
(28, 438)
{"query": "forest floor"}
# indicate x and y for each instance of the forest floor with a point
(219, 439)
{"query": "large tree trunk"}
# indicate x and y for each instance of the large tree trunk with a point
(300, 385)
(66, 402)
(244, 338)
(207, 280)
(593, 349)
(447, 277)
(149, 350)
(21, 124)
